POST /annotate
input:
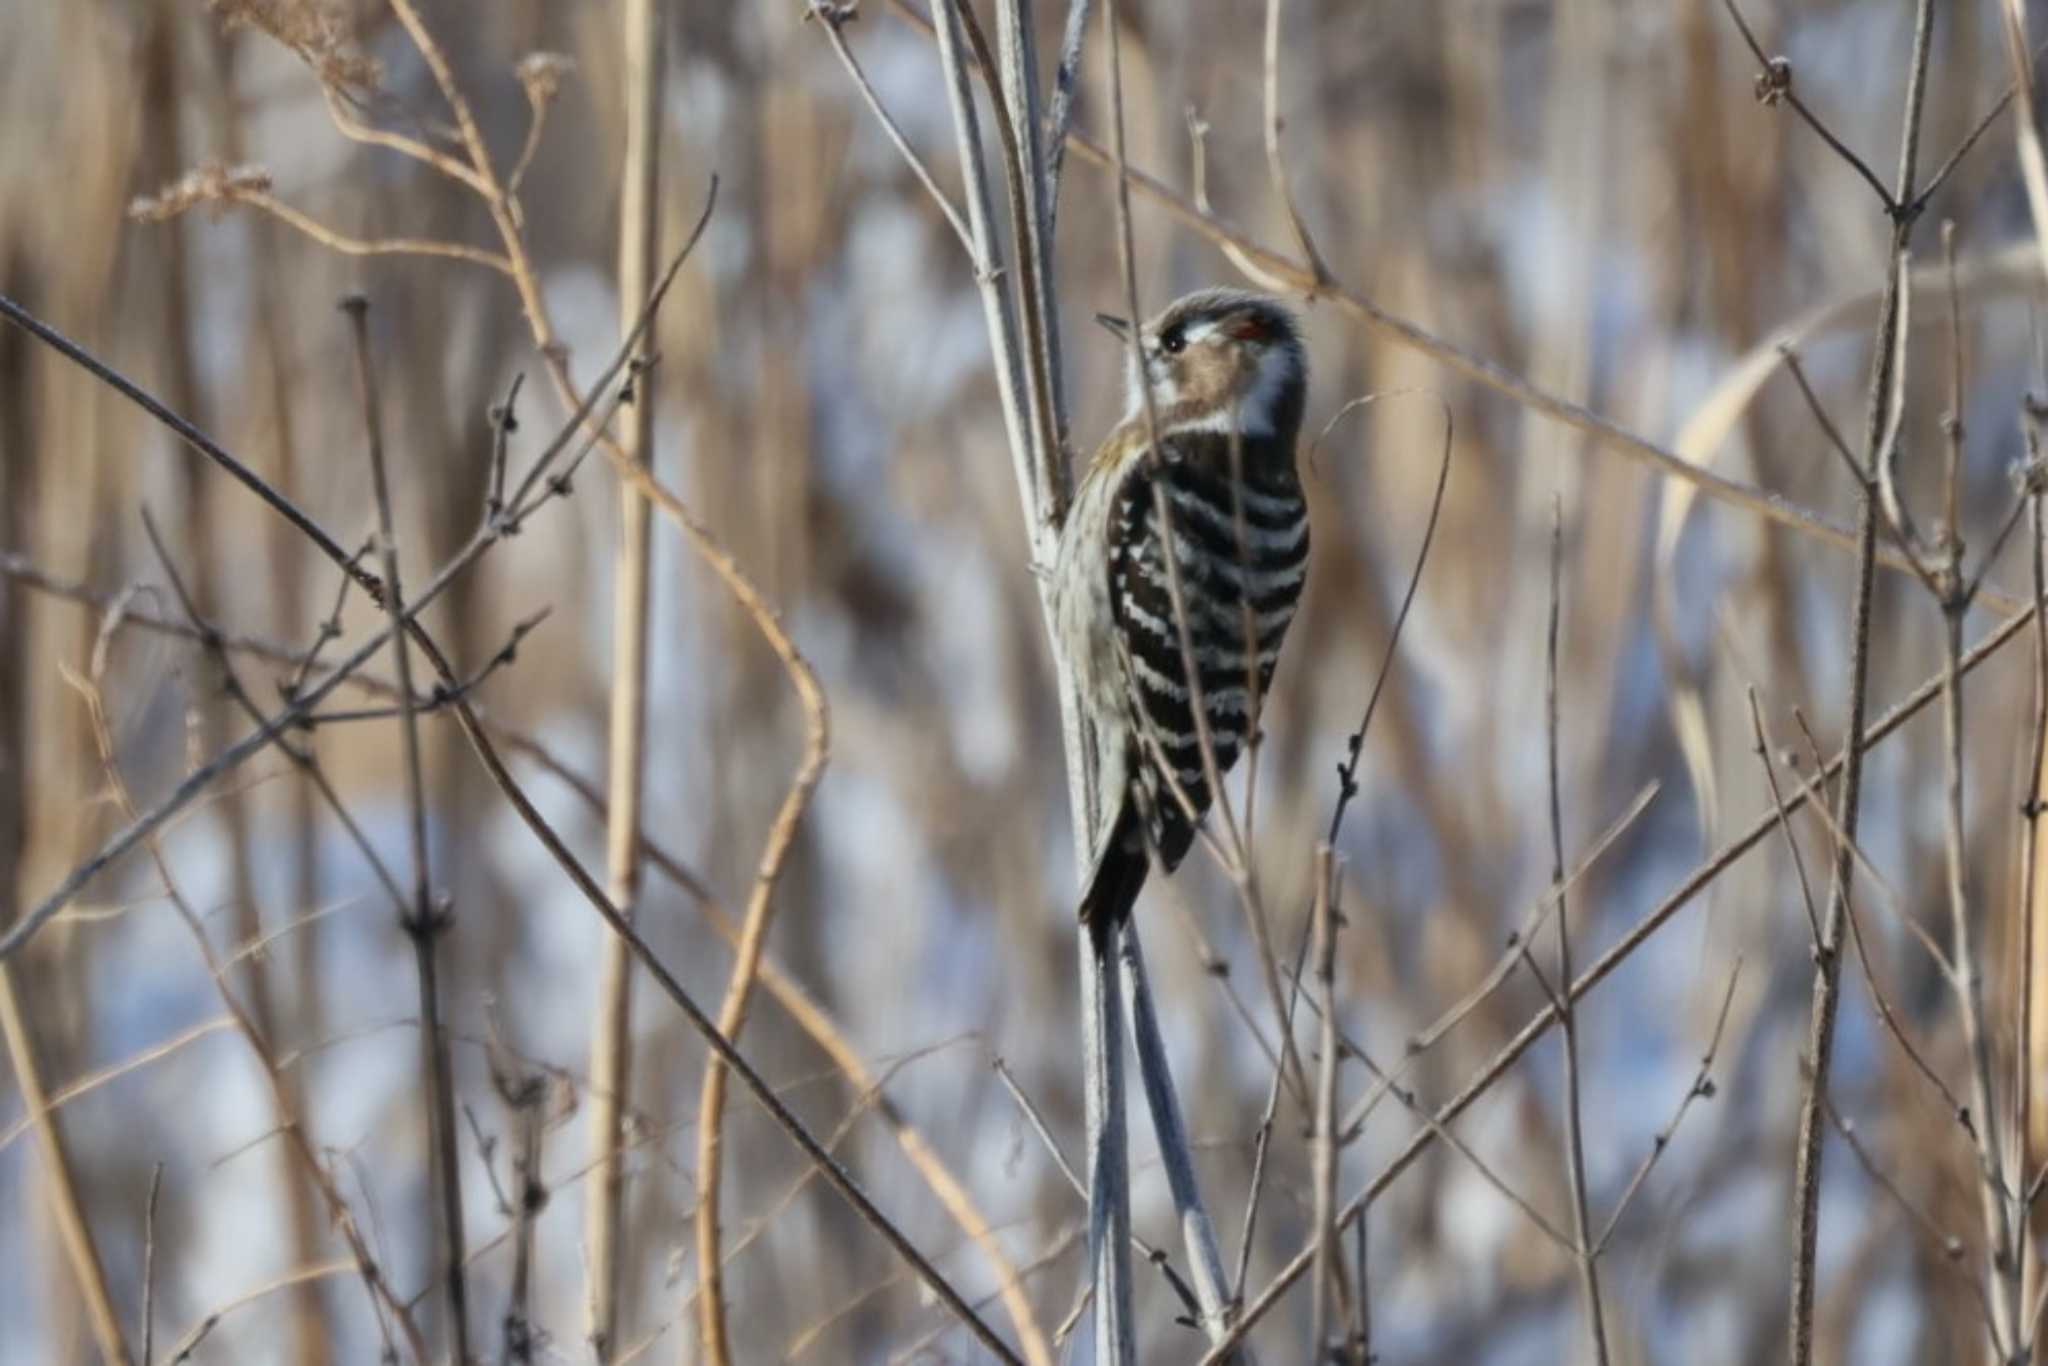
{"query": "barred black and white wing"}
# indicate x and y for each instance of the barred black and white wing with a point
(1239, 585)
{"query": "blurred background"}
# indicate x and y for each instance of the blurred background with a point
(1585, 192)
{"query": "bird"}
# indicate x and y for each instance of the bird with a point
(1226, 374)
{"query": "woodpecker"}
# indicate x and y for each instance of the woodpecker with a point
(1227, 378)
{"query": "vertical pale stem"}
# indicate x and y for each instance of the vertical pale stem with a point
(1198, 1231)
(996, 305)
(1019, 56)
(57, 1183)
(1034, 435)
(611, 1039)
(1109, 1196)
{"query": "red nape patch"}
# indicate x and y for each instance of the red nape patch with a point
(1250, 328)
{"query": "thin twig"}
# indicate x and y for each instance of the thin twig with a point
(189, 1342)
(2027, 1050)
(1059, 117)
(1951, 1249)
(1797, 370)
(1953, 1105)
(1774, 84)
(346, 244)
(191, 435)
(2002, 1225)
(761, 903)
(1361, 1324)
(1952, 420)
(1198, 157)
(525, 1095)
(80, 1087)
(1354, 746)
(329, 628)
(1387, 1083)
(2013, 516)
(1870, 871)
(1763, 753)
(1204, 1254)
(440, 698)
(1276, 167)
(1326, 1244)
(423, 922)
(355, 130)
(1827, 976)
(1574, 1115)
(830, 18)
(156, 1186)
(1908, 552)
(1261, 1148)
(1157, 1256)
(504, 422)
(540, 75)
(1970, 139)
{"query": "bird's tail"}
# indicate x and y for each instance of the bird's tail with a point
(1119, 873)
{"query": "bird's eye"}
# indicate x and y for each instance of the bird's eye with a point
(1173, 341)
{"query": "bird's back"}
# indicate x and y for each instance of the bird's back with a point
(1241, 556)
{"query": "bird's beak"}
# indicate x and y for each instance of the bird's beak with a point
(1117, 325)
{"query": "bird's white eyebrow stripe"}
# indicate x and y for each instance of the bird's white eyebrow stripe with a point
(1221, 422)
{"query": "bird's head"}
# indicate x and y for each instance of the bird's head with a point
(1226, 357)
